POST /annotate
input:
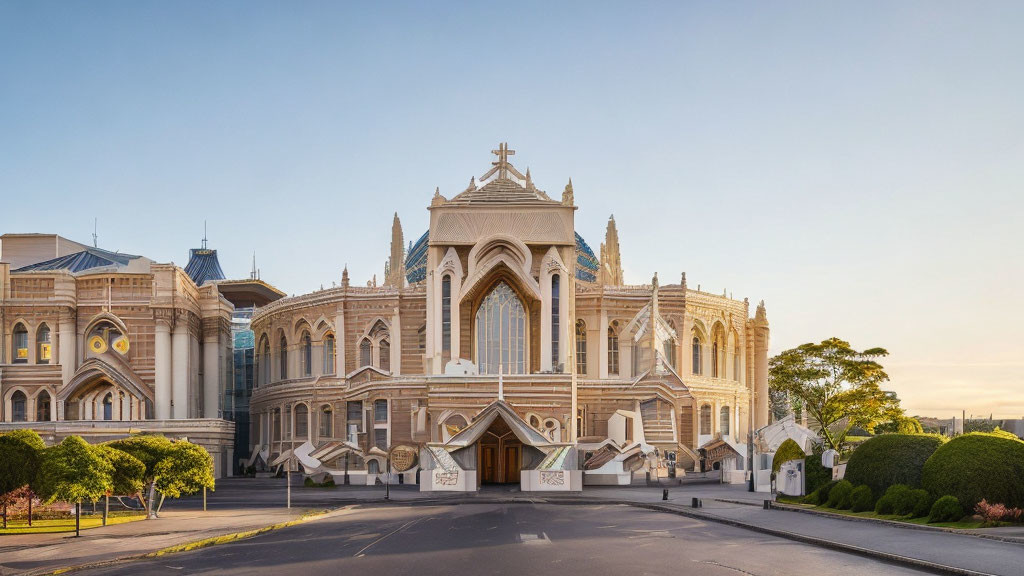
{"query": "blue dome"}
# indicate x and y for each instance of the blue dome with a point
(587, 264)
(416, 260)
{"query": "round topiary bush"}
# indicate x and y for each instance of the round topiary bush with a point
(946, 509)
(889, 459)
(907, 502)
(976, 466)
(840, 495)
(820, 496)
(887, 503)
(862, 499)
(923, 504)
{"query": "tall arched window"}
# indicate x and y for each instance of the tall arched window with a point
(705, 419)
(696, 355)
(264, 362)
(385, 356)
(307, 354)
(19, 344)
(43, 348)
(714, 360)
(613, 349)
(723, 421)
(329, 356)
(43, 406)
(446, 318)
(19, 407)
(301, 422)
(555, 317)
(277, 425)
(365, 353)
(501, 332)
(108, 406)
(326, 421)
(581, 347)
(283, 360)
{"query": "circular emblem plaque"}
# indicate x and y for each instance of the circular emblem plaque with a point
(403, 458)
(97, 344)
(121, 344)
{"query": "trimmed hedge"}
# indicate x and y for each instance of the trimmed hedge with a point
(815, 475)
(946, 509)
(862, 498)
(788, 450)
(820, 496)
(839, 496)
(977, 466)
(912, 502)
(887, 503)
(891, 459)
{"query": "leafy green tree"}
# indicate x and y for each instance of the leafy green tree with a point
(838, 386)
(19, 464)
(900, 425)
(128, 472)
(172, 468)
(73, 471)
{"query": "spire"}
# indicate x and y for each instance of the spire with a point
(472, 183)
(529, 179)
(682, 281)
(394, 269)
(344, 277)
(761, 316)
(252, 275)
(567, 196)
(611, 262)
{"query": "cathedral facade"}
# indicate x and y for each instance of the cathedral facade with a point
(500, 349)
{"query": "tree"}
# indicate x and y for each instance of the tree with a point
(128, 472)
(19, 464)
(900, 425)
(838, 386)
(73, 471)
(172, 468)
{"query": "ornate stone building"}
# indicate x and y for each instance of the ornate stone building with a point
(103, 344)
(500, 349)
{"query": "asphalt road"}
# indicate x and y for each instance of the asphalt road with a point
(509, 539)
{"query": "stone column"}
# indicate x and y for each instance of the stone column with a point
(340, 344)
(546, 361)
(761, 370)
(396, 343)
(179, 372)
(162, 364)
(211, 374)
(66, 348)
(602, 345)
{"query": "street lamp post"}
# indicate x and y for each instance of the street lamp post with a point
(387, 480)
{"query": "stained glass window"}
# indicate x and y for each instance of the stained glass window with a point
(501, 332)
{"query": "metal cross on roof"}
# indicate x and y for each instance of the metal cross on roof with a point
(502, 153)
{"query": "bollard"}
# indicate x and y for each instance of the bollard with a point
(664, 494)
(696, 503)
(767, 504)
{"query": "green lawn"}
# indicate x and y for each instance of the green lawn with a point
(964, 524)
(65, 524)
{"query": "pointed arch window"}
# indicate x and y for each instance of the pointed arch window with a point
(108, 407)
(365, 353)
(581, 347)
(501, 332)
(307, 354)
(714, 360)
(555, 318)
(263, 366)
(19, 344)
(705, 419)
(723, 421)
(283, 358)
(43, 406)
(19, 403)
(446, 318)
(385, 356)
(301, 421)
(696, 355)
(43, 347)
(329, 354)
(613, 349)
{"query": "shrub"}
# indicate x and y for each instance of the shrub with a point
(328, 482)
(820, 495)
(788, 450)
(995, 513)
(862, 499)
(889, 459)
(308, 482)
(840, 495)
(887, 503)
(912, 502)
(977, 466)
(946, 509)
(815, 475)
(922, 503)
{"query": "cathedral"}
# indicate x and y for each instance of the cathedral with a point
(500, 349)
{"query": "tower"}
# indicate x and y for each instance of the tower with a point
(760, 388)
(394, 273)
(611, 262)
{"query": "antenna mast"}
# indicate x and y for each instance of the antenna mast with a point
(94, 225)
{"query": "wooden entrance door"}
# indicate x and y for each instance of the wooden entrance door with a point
(488, 464)
(513, 464)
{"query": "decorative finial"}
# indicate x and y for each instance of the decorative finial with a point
(438, 198)
(503, 152)
(682, 281)
(568, 199)
(344, 277)
(204, 234)
(761, 315)
(529, 180)
(654, 281)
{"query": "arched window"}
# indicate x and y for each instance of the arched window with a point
(283, 360)
(19, 344)
(714, 360)
(43, 348)
(108, 406)
(329, 357)
(670, 352)
(19, 407)
(613, 349)
(581, 347)
(306, 359)
(301, 421)
(385, 356)
(365, 353)
(696, 355)
(446, 318)
(705, 419)
(555, 329)
(501, 332)
(43, 406)
(373, 467)
(263, 366)
(735, 357)
(723, 421)
(277, 424)
(326, 421)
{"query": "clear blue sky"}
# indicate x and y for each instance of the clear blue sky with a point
(858, 166)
